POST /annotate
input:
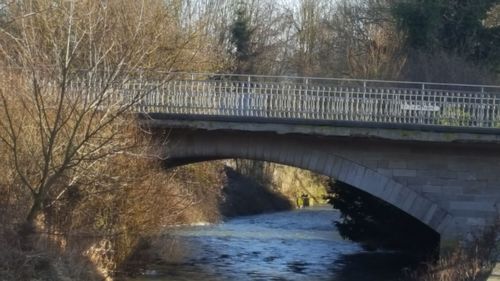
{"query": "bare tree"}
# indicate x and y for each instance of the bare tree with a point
(309, 18)
(64, 64)
(364, 40)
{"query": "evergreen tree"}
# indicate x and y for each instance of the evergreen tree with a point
(241, 40)
(420, 20)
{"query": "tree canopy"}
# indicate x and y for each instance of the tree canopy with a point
(453, 26)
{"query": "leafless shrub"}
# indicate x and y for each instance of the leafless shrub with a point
(470, 261)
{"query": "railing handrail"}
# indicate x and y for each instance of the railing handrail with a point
(284, 77)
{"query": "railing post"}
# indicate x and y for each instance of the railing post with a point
(248, 97)
(420, 116)
(494, 114)
(363, 102)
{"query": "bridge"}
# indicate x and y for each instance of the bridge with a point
(431, 150)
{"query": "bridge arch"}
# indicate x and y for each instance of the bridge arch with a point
(189, 147)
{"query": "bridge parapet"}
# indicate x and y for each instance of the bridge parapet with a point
(318, 99)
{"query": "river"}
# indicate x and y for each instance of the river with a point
(294, 245)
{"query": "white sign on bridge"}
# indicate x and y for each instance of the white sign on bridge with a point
(420, 107)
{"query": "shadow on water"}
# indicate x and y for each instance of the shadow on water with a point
(373, 266)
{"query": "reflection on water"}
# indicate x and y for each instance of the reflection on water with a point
(295, 245)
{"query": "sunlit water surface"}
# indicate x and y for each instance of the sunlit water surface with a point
(295, 245)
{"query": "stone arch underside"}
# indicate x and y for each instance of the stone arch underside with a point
(189, 148)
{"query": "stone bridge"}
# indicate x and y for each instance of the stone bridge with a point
(431, 150)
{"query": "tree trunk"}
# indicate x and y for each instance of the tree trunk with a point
(28, 228)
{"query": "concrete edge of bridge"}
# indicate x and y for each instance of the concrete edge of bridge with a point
(389, 131)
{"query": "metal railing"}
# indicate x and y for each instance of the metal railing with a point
(307, 98)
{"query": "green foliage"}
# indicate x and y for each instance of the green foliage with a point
(496, 123)
(420, 20)
(454, 116)
(450, 25)
(377, 224)
(241, 37)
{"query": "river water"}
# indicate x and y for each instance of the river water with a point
(294, 245)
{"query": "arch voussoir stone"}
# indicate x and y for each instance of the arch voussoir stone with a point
(419, 207)
(313, 158)
(327, 168)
